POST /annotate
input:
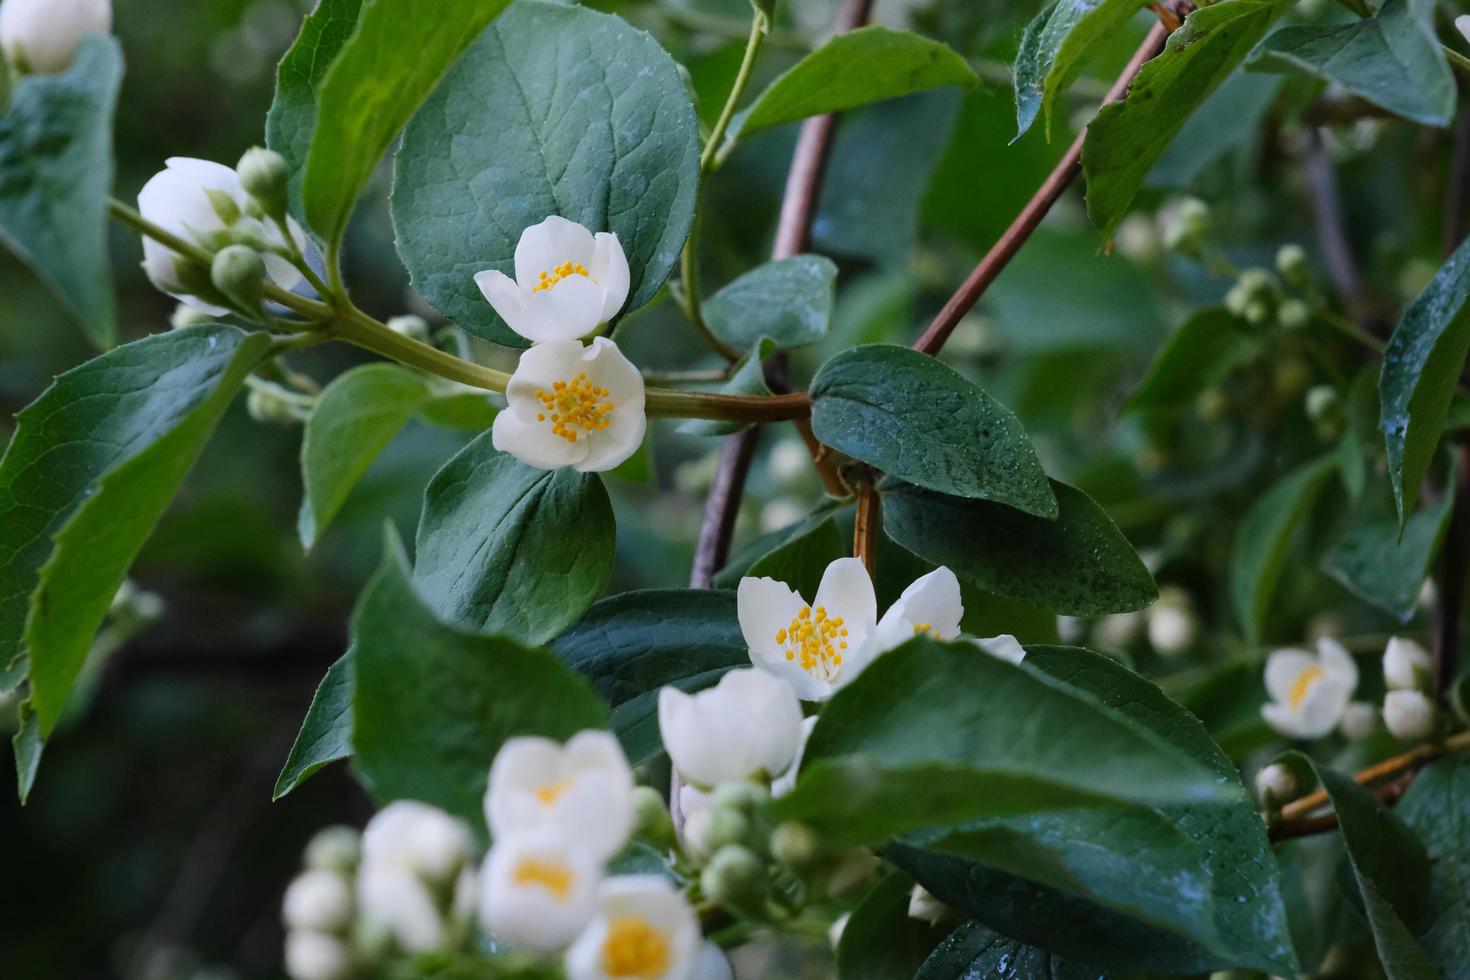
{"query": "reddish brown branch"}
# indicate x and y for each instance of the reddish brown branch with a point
(1041, 202)
(865, 527)
(1388, 794)
(1454, 566)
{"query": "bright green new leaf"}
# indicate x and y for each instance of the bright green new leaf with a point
(1078, 564)
(55, 176)
(631, 645)
(1199, 355)
(1055, 47)
(881, 941)
(749, 379)
(1393, 59)
(507, 548)
(975, 951)
(862, 66)
(556, 110)
(1421, 367)
(326, 731)
(381, 75)
(1435, 807)
(789, 301)
(1128, 137)
(920, 421)
(434, 704)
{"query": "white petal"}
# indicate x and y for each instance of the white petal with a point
(934, 600)
(651, 899)
(572, 308)
(1322, 707)
(522, 766)
(1283, 667)
(847, 591)
(609, 267)
(1006, 647)
(1338, 663)
(537, 251)
(400, 903)
(765, 607)
(520, 908)
(787, 782)
(710, 963)
(534, 444)
(509, 302)
(47, 32)
(1282, 718)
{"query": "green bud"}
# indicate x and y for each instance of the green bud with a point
(334, 849)
(735, 877)
(1294, 315)
(1257, 313)
(795, 845)
(410, 326)
(1187, 227)
(224, 204)
(1322, 402)
(1259, 283)
(269, 408)
(742, 796)
(727, 825)
(652, 822)
(238, 273)
(1237, 299)
(266, 177)
(1212, 404)
(1291, 262)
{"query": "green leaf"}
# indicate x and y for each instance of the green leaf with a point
(926, 737)
(434, 703)
(507, 548)
(1435, 807)
(920, 421)
(862, 66)
(631, 645)
(880, 941)
(354, 419)
(1223, 135)
(554, 110)
(1265, 535)
(1127, 138)
(1054, 48)
(749, 378)
(1421, 366)
(1079, 564)
(292, 116)
(326, 731)
(93, 463)
(1392, 59)
(973, 951)
(1391, 869)
(801, 560)
(28, 746)
(55, 176)
(789, 301)
(381, 75)
(1199, 355)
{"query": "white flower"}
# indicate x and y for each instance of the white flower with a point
(538, 890)
(697, 806)
(176, 200)
(1309, 693)
(787, 783)
(643, 928)
(746, 725)
(1406, 665)
(568, 282)
(1359, 720)
(569, 405)
(42, 36)
(815, 648)
(711, 963)
(316, 956)
(583, 789)
(416, 839)
(320, 900)
(1003, 647)
(1408, 715)
(931, 605)
(402, 904)
(924, 907)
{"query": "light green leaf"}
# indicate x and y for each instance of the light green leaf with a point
(920, 421)
(55, 176)
(749, 378)
(1421, 366)
(1436, 807)
(1264, 538)
(1127, 138)
(357, 415)
(554, 110)
(1055, 47)
(28, 746)
(326, 731)
(434, 704)
(975, 951)
(862, 66)
(1199, 355)
(506, 548)
(381, 75)
(1392, 59)
(881, 941)
(631, 645)
(1078, 564)
(789, 301)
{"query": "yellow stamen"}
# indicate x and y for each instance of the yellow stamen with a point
(813, 636)
(1303, 684)
(633, 948)
(552, 792)
(577, 407)
(549, 279)
(555, 878)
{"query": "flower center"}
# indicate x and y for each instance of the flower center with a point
(926, 628)
(555, 878)
(575, 408)
(552, 792)
(549, 279)
(633, 948)
(1303, 684)
(815, 640)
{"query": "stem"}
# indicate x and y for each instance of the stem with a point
(1457, 61)
(865, 526)
(990, 267)
(1332, 234)
(1351, 329)
(1454, 565)
(759, 27)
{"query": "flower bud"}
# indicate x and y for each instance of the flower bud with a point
(1171, 623)
(186, 316)
(334, 849)
(727, 825)
(316, 956)
(265, 176)
(238, 272)
(740, 795)
(1187, 226)
(795, 845)
(319, 900)
(1406, 665)
(651, 819)
(1321, 402)
(1359, 720)
(42, 36)
(1117, 631)
(1293, 314)
(1277, 785)
(1291, 262)
(267, 407)
(734, 877)
(1409, 715)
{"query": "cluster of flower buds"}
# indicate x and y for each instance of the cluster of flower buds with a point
(42, 36)
(1408, 709)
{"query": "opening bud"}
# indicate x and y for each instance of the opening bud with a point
(727, 825)
(1277, 785)
(266, 177)
(1409, 715)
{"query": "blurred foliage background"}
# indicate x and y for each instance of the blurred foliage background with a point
(150, 848)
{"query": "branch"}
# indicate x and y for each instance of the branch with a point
(1454, 565)
(866, 525)
(1332, 234)
(1001, 253)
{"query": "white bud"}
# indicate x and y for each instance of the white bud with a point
(42, 36)
(749, 724)
(334, 849)
(1118, 631)
(1277, 785)
(1406, 665)
(1359, 720)
(925, 907)
(186, 316)
(319, 900)
(1462, 24)
(316, 956)
(1171, 623)
(410, 326)
(1409, 715)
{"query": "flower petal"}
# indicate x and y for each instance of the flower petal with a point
(569, 310)
(1338, 663)
(547, 245)
(609, 267)
(847, 591)
(1283, 667)
(534, 444)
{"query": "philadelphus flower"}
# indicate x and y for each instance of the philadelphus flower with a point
(568, 282)
(42, 36)
(643, 928)
(178, 200)
(786, 783)
(749, 724)
(570, 405)
(584, 790)
(931, 605)
(411, 854)
(1309, 693)
(1406, 665)
(538, 891)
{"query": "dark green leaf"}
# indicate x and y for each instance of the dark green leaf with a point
(631, 645)
(1436, 808)
(1421, 366)
(326, 732)
(55, 175)
(1199, 355)
(1055, 47)
(506, 548)
(749, 378)
(1127, 138)
(973, 951)
(555, 110)
(1393, 59)
(382, 73)
(789, 301)
(1078, 564)
(918, 420)
(434, 704)
(802, 559)
(880, 941)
